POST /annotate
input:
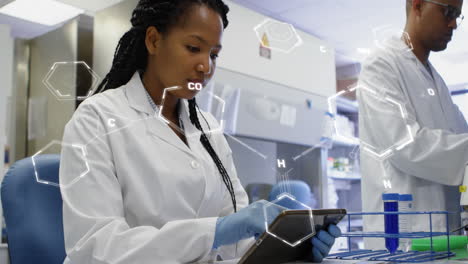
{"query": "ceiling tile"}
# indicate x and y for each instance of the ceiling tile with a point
(25, 29)
(91, 5)
(277, 6)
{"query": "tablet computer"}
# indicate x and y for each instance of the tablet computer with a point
(289, 227)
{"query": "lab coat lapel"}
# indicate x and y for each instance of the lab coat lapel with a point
(155, 126)
(437, 119)
(446, 102)
(158, 128)
(136, 95)
(444, 119)
(211, 191)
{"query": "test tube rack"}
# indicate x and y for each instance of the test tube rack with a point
(399, 256)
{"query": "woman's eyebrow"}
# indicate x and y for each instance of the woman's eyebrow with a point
(204, 41)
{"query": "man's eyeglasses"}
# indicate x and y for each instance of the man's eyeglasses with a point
(451, 12)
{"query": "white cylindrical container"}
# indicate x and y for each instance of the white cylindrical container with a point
(464, 220)
(405, 204)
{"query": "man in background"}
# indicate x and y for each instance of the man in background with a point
(432, 166)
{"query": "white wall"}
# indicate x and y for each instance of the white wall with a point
(60, 45)
(306, 67)
(109, 26)
(6, 83)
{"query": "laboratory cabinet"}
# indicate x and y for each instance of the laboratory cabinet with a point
(4, 257)
(343, 168)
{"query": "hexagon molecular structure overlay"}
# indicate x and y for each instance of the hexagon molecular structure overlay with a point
(206, 127)
(383, 35)
(54, 147)
(283, 235)
(65, 79)
(397, 115)
(281, 36)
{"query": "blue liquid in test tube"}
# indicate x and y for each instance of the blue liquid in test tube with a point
(390, 201)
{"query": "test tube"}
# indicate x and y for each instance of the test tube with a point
(405, 204)
(390, 201)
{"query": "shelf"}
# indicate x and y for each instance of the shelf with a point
(397, 257)
(341, 175)
(353, 222)
(345, 141)
(400, 235)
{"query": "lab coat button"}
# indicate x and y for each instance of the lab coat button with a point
(194, 164)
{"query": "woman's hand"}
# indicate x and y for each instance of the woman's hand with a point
(248, 222)
(323, 242)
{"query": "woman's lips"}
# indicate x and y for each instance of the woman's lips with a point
(196, 81)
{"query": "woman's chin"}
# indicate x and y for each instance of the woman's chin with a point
(189, 94)
(185, 94)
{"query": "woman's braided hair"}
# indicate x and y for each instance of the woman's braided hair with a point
(131, 56)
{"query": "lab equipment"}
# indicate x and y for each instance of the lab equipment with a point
(300, 190)
(246, 223)
(439, 243)
(391, 220)
(464, 200)
(457, 245)
(399, 256)
(464, 189)
(288, 234)
(405, 204)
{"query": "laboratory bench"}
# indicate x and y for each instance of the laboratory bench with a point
(341, 261)
(337, 261)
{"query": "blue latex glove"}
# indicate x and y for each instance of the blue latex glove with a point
(323, 242)
(247, 222)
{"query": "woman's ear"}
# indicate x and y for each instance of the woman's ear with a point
(152, 40)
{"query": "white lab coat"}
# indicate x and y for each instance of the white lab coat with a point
(147, 198)
(431, 167)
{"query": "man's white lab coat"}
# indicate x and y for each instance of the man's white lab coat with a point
(432, 166)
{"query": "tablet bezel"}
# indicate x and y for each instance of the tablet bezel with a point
(281, 219)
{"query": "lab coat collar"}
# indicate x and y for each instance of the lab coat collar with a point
(138, 100)
(136, 95)
(398, 45)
